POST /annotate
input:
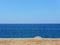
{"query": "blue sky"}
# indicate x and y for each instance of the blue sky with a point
(29, 11)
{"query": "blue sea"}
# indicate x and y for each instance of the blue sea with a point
(29, 30)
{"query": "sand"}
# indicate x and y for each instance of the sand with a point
(29, 41)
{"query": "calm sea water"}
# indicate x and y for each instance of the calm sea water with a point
(29, 30)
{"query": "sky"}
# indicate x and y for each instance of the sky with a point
(30, 11)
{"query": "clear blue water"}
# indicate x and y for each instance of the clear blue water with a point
(29, 30)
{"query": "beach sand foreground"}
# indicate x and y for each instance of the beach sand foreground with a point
(29, 42)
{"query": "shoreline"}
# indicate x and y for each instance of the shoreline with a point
(30, 38)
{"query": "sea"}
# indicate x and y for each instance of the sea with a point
(29, 30)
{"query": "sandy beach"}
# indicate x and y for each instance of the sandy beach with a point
(29, 41)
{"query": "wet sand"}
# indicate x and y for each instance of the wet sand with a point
(29, 41)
